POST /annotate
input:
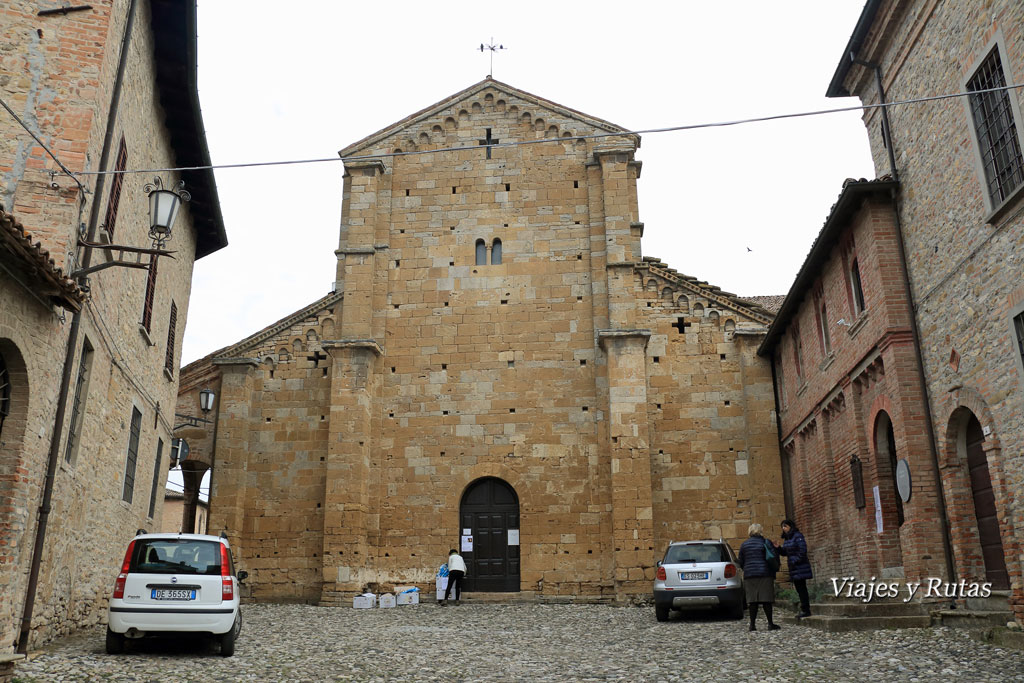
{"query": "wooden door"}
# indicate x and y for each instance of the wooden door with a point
(489, 510)
(985, 508)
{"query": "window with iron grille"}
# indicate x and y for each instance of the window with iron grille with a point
(994, 124)
(5, 393)
(156, 476)
(133, 456)
(147, 306)
(171, 330)
(78, 403)
(115, 188)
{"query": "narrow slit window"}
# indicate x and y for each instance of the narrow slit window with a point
(496, 252)
(858, 290)
(481, 253)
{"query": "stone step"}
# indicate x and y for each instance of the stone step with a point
(835, 624)
(998, 601)
(869, 609)
(967, 618)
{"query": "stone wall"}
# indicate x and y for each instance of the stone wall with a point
(557, 369)
(60, 74)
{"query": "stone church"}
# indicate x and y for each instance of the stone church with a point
(498, 367)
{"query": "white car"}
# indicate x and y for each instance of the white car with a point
(698, 575)
(175, 583)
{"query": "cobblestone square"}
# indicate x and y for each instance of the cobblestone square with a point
(490, 642)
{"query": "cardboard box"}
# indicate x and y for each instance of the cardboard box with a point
(364, 601)
(408, 598)
(386, 600)
(441, 586)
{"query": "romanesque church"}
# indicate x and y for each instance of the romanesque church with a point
(498, 368)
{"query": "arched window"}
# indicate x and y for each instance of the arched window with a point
(481, 253)
(496, 252)
(858, 291)
(5, 393)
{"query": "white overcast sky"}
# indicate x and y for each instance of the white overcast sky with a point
(283, 81)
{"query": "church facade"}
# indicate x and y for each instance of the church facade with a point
(498, 369)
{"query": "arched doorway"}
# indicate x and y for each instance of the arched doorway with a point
(489, 510)
(985, 507)
(890, 551)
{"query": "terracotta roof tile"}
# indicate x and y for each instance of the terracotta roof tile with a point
(34, 263)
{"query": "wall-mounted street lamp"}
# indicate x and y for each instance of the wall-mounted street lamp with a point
(163, 209)
(206, 397)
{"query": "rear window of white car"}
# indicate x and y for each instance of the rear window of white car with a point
(696, 552)
(175, 556)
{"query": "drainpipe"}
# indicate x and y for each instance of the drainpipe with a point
(915, 330)
(69, 354)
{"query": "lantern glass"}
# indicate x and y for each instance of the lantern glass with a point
(206, 397)
(163, 209)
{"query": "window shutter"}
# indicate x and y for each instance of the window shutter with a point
(115, 188)
(147, 307)
(171, 329)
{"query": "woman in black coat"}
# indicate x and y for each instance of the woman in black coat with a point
(794, 547)
(758, 575)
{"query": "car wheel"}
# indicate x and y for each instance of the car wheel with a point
(661, 612)
(115, 642)
(227, 640)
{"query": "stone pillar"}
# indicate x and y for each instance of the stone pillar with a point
(628, 433)
(356, 246)
(349, 510)
(237, 408)
(622, 240)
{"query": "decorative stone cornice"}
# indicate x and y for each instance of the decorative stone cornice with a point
(370, 344)
(373, 164)
(236, 361)
(604, 336)
(355, 250)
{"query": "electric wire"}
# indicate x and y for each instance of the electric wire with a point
(520, 143)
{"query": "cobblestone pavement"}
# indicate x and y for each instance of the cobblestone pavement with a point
(489, 642)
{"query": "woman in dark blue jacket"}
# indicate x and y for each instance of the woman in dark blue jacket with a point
(794, 547)
(758, 575)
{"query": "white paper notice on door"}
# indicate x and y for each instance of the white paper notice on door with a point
(467, 544)
(878, 509)
(513, 536)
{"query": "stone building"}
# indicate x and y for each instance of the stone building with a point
(89, 364)
(851, 401)
(174, 504)
(961, 189)
(497, 362)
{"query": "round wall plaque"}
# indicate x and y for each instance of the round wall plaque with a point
(903, 479)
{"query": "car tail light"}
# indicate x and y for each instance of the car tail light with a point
(227, 586)
(123, 576)
(730, 570)
(661, 574)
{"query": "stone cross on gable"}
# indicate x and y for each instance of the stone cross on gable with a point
(316, 357)
(680, 325)
(489, 141)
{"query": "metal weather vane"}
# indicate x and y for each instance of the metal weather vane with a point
(493, 48)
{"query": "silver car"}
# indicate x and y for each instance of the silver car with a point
(698, 575)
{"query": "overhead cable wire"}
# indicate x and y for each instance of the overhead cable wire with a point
(520, 143)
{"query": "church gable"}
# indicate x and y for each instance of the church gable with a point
(692, 296)
(293, 337)
(460, 121)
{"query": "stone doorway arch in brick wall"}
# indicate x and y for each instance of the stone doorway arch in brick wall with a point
(885, 458)
(977, 537)
(490, 509)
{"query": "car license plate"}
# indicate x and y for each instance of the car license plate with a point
(164, 594)
(693, 576)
